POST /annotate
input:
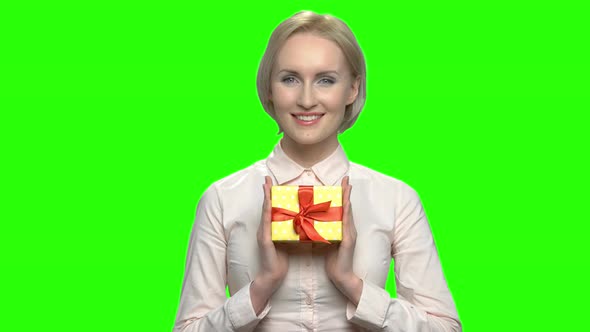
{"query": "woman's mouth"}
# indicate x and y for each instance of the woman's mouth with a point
(307, 119)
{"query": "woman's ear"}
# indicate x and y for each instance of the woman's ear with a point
(354, 90)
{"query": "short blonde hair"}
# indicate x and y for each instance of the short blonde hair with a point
(325, 26)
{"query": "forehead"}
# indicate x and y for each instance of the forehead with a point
(306, 52)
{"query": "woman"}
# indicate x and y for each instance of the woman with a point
(312, 82)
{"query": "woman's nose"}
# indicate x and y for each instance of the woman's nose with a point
(307, 98)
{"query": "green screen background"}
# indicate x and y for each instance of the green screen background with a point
(115, 117)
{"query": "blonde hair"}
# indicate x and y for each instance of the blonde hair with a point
(324, 26)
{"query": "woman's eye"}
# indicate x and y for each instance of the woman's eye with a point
(326, 81)
(289, 80)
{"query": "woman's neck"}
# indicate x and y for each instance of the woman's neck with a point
(308, 155)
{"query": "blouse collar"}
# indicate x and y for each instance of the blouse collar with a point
(329, 171)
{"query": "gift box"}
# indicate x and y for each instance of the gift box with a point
(306, 213)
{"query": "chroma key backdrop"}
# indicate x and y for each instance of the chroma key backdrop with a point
(116, 116)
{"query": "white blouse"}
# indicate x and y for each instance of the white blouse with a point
(390, 224)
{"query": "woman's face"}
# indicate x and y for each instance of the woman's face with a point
(311, 86)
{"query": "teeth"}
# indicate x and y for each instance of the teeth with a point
(307, 117)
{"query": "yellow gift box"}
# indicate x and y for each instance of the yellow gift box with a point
(296, 217)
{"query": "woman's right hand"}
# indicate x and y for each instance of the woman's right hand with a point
(274, 262)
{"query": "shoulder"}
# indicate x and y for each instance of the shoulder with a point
(376, 181)
(247, 179)
(256, 170)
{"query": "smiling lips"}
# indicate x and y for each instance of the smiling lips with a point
(307, 119)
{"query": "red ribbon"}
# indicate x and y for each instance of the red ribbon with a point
(308, 212)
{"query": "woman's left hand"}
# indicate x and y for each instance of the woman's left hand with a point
(339, 257)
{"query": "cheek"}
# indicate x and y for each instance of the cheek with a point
(283, 98)
(336, 99)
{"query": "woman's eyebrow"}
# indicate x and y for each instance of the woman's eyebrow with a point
(294, 72)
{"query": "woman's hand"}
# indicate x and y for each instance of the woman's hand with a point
(339, 258)
(274, 262)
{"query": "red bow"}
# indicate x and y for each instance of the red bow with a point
(308, 212)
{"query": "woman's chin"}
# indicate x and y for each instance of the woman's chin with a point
(308, 139)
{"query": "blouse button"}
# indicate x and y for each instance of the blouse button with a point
(308, 300)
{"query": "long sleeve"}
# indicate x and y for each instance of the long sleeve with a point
(423, 301)
(203, 303)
